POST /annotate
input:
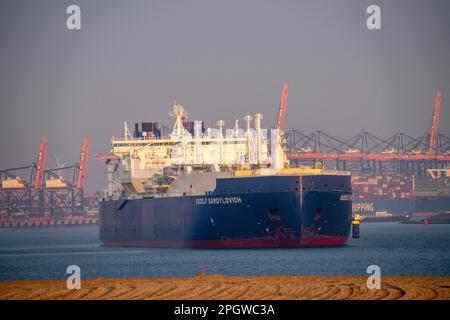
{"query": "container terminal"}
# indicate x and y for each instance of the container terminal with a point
(396, 176)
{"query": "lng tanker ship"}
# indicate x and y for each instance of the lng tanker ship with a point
(200, 188)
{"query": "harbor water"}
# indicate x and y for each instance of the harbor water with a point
(398, 249)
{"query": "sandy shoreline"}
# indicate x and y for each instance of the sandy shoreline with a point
(224, 287)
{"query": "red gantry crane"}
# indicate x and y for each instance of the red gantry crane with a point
(83, 163)
(282, 109)
(65, 195)
(40, 164)
(45, 191)
(433, 134)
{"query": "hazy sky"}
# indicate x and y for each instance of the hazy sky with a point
(221, 59)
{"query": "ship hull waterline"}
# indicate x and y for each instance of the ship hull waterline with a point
(254, 243)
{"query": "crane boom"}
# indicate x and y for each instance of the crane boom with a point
(83, 163)
(433, 135)
(40, 164)
(282, 110)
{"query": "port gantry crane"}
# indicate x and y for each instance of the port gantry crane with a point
(83, 163)
(66, 195)
(282, 108)
(44, 190)
(367, 153)
(433, 134)
(22, 194)
(40, 165)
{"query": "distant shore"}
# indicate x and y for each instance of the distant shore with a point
(205, 287)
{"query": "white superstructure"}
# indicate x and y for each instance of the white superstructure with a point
(144, 156)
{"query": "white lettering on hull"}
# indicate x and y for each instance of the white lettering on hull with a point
(218, 200)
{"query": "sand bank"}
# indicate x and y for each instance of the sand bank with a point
(224, 287)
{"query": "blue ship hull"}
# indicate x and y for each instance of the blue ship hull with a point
(244, 212)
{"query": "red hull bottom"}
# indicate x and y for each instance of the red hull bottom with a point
(310, 241)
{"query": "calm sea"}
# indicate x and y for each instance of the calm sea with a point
(399, 249)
